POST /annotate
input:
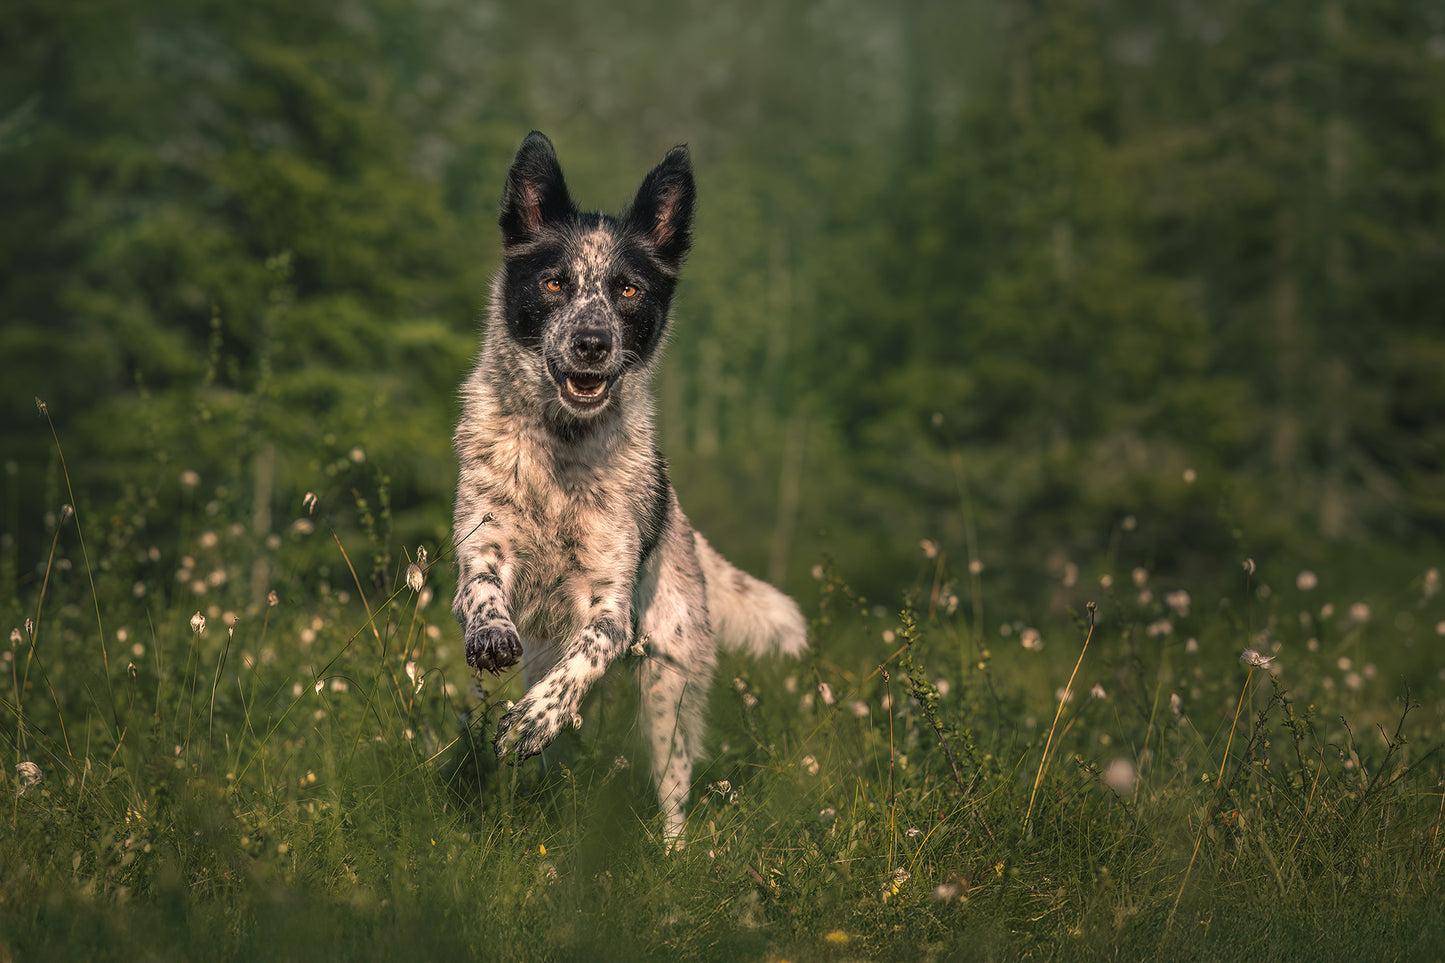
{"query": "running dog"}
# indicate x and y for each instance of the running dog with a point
(572, 547)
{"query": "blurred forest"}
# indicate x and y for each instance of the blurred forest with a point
(1012, 276)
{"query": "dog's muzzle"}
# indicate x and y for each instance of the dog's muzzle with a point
(582, 378)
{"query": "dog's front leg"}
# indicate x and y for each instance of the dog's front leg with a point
(552, 704)
(492, 641)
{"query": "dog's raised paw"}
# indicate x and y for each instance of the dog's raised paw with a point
(526, 730)
(492, 645)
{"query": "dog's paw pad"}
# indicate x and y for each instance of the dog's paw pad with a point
(492, 646)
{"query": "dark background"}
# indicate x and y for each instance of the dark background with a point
(1021, 278)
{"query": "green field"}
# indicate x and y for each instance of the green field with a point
(234, 764)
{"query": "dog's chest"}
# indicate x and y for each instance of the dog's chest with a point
(573, 536)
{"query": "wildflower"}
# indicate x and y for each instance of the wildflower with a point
(1031, 640)
(1106, 581)
(975, 566)
(1121, 776)
(1360, 612)
(1192, 646)
(198, 624)
(1071, 575)
(828, 815)
(1178, 602)
(943, 687)
(1064, 694)
(339, 684)
(271, 598)
(411, 673)
(858, 708)
(1140, 576)
(739, 685)
(809, 764)
(825, 692)
(948, 892)
(1097, 692)
(1190, 476)
(30, 627)
(319, 684)
(888, 636)
(1248, 566)
(65, 513)
(1159, 628)
(1129, 523)
(1176, 705)
(308, 503)
(930, 548)
(817, 573)
(1431, 585)
(190, 479)
(750, 700)
(357, 455)
(303, 526)
(1306, 581)
(895, 883)
(414, 578)
(1254, 660)
(913, 832)
(29, 774)
(837, 938)
(722, 787)
(424, 598)
(15, 637)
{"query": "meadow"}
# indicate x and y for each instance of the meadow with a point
(253, 742)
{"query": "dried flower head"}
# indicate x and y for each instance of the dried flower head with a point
(809, 764)
(308, 503)
(198, 624)
(414, 579)
(1254, 659)
(29, 775)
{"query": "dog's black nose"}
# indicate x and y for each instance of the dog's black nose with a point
(591, 346)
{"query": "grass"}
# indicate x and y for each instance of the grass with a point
(310, 774)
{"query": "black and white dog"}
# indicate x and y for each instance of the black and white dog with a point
(572, 547)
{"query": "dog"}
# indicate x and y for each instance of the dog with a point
(572, 548)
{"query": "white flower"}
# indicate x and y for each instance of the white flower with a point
(809, 764)
(1140, 576)
(1097, 692)
(414, 579)
(1178, 601)
(1306, 581)
(913, 832)
(1121, 776)
(1159, 628)
(1360, 611)
(1254, 660)
(930, 548)
(1031, 640)
(825, 692)
(198, 624)
(29, 774)
(1248, 566)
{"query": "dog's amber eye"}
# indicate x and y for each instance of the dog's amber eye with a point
(552, 284)
(628, 291)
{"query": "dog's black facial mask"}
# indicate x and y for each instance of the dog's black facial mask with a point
(590, 291)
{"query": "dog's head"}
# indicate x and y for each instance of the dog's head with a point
(588, 294)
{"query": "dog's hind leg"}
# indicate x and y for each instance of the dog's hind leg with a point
(674, 675)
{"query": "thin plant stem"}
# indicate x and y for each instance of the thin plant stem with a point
(1063, 700)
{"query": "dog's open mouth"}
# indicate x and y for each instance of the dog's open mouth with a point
(585, 391)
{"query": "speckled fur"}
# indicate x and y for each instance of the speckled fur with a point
(570, 540)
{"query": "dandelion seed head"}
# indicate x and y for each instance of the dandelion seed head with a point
(1253, 658)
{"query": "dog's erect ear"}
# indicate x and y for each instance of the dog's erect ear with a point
(664, 204)
(535, 193)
